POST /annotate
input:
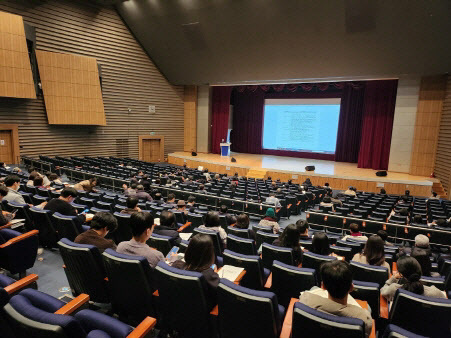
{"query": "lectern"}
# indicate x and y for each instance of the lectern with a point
(225, 149)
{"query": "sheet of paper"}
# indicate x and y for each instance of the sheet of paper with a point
(14, 221)
(230, 272)
(325, 294)
(185, 235)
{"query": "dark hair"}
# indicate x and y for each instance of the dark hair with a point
(327, 199)
(411, 272)
(157, 181)
(158, 196)
(405, 199)
(320, 244)
(134, 185)
(11, 179)
(212, 219)
(191, 199)
(434, 194)
(201, 187)
(140, 222)
(200, 253)
(441, 222)
(242, 221)
(132, 202)
(223, 208)
(32, 176)
(66, 192)
(326, 184)
(52, 177)
(374, 250)
(407, 192)
(92, 180)
(417, 219)
(337, 278)
(3, 191)
(302, 226)
(290, 237)
(38, 181)
(354, 227)
(104, 220)
(404, 212)
(382, 234)
(167, 218)
(383, 191)
(171, 196)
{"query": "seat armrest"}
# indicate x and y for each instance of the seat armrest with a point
(21, 284)
(73, 305)
(6, 226)
(288, 322)
(215, 311)
(19, 238)
(183, 227)
(269, 281)
(143, 328)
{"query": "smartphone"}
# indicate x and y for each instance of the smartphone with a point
(85, 211)
(174, 250)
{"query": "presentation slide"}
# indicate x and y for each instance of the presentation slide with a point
(307, 125)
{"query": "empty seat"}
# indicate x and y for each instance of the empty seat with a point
(272, 252)
(243, 233)
(68, 226)
(393, 331)
(161, 243)
(264, 237)
(42, 221)
(369, 292)
(308, 322)
(369, 273)
(342, 251)
(241, 245)
(18, 251)
(240, 309)
(289, 281)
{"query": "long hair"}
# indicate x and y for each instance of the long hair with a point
(374, 250)
(320, 244)
(200, 254)
(290, 237)
(411, 272)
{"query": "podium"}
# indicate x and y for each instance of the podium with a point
(225, 149)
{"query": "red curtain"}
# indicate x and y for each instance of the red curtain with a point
(220, 119)
(350, 124)
(378, 113)
(248, 121)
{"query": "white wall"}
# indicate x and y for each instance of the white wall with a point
(203, 119)
(404, 123)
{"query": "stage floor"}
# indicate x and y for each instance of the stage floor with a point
(297, 165)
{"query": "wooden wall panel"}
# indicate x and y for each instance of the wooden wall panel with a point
(129, 80)
(71, 88)
(190, 125)
(443, 154)
(16, 79)
(427, 125)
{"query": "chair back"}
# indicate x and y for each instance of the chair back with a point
(42, 221)
(183, 305)
(241, 308)
(342, 251)
(84, 270)
(160, 242)
(123, 231)
(264, 237)
(67, 226)
(308, 322)
(422, 315)
(272, 252)
(18, 255)
(217, 242)
(243, 233)
(393, 331)
(370, 292)
(255, 276)
(289, 281)
(241, 245)
(370, 273)
(22, 212)
(130, 297)
(314, 261)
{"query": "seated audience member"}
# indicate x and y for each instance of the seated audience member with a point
(142, 224)
(207, 175)
(422, 252)
(45, 178)
(168, 227)
(38, 182)
(404, 212)
(417, 220)
(373, 253)
(63, 205)
(158, 198)
(434, 196)
(132, 205)
(86, 185)
(130, 191)
(335, 201)
(181, 207)
(355, 233)
(171, 200)
(200, 257)
(442, 223)
(307, 183)
(31, 179)
(408, 278)
(212, 223)
(350, 192)
(404, 202)
(383, 192)
(5, 216)
(191, 204)
(201, 189)
(290, 239)
(273, 200)
(303, 229)
(145, 182)
(141, 194)
(270, 220)
(336, 278)
(102, 223)
(12, 183)
(321, 245)
(223, 211)
(242, 222)
(54, 179)
(327, 202)
(383, 234)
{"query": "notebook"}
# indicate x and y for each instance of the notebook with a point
(185, 235)
(230, 272)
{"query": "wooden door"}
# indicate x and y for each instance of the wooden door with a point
(151, 150)
(6, 147)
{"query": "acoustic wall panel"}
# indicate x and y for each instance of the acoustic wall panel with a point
(129, 80)
(71, 88)
(16, 79)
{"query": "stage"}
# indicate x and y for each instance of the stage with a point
(339, 175)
